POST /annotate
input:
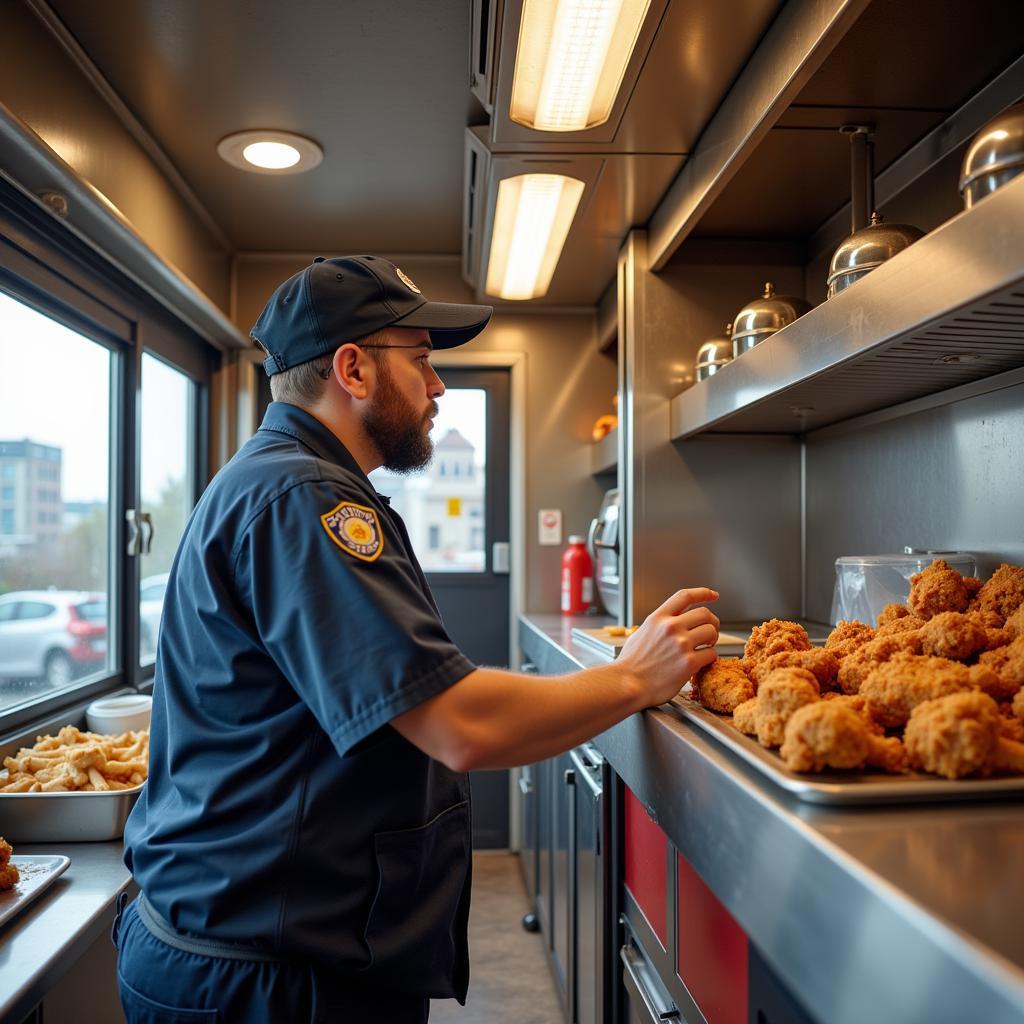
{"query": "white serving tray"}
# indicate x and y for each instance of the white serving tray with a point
(37, 872)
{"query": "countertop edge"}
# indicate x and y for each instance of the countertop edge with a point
(77, 908)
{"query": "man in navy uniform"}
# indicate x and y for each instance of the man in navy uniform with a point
(302, 845)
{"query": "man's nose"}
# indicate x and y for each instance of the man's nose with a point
(435, 386)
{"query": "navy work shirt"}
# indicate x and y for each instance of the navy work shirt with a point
(281, 809)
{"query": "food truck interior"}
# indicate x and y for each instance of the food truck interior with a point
(757, 278)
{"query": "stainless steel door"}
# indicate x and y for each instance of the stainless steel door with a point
(589, 924)
(563, 878)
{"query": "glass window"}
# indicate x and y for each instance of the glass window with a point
(442, 503)
(167, 474)
(34, 610)
(54, 419)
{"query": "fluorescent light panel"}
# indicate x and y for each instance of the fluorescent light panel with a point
(531, 221)
(571, 60)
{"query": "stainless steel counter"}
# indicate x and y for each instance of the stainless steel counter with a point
(904, 914)
(42, 942)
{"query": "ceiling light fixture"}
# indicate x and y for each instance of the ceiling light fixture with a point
(531, 221)
(571, 60)
(270, 152)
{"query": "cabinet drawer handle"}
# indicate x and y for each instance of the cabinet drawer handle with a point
(638, 987)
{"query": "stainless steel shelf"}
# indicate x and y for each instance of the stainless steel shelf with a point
(945, 313)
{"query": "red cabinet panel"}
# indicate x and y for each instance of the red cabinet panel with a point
(646, 859)
(711, 950)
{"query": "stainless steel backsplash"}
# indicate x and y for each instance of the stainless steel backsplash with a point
(946, 478)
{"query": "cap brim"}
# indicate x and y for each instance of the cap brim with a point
(449, 323)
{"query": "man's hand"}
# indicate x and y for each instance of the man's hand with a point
(663, 653)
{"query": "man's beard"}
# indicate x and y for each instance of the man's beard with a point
(396, 428)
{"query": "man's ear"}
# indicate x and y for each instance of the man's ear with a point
(353, 370)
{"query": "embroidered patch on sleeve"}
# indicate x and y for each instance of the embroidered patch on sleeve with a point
(355, 529)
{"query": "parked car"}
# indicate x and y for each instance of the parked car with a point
(151, 604)
(55, 635)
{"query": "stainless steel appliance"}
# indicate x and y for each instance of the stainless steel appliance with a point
(590, 942)
(763, 317)
(714, 354)
(995, 157)
(603, 543)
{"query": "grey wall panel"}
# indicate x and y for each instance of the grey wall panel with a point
(723, 513)
(947, 478)
(718, 512)
(568, 385)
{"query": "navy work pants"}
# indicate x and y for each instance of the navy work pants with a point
(163, 985)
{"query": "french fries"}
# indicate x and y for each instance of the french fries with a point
(76, 761)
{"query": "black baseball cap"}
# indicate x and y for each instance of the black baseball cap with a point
(345, 298)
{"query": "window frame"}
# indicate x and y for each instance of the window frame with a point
(48, 267)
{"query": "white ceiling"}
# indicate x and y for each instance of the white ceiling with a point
(383, 87)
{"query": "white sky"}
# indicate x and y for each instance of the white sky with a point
(55, 389)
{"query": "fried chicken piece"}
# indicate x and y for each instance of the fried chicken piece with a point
(987, 619)
(856, 667)
(973, 585)
(995, 638)
(1018, 704)
(952, 635)
(9, 876)
(847, 637)
(745, 717)
(1008, 664)
(894, 689)
(774, 636)
(1010, 726)
(829, 733)
(859, 704)
(939, 588)
(1014, 625)
(986, 679)
(1003, 592)
(780, 694)
(891, 612)
(849, 629)
(5, 851)
(722, 685)
(906, 624)
(960, 734)
(824, 664)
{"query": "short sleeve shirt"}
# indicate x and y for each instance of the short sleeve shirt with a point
(282, 810)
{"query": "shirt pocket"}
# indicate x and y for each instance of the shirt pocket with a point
(416, 929)
(140, 1009)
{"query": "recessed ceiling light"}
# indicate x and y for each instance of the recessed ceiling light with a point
(270, 152)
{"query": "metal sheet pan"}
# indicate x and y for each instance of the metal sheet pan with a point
(844, 787)
(65, 817)
(37, 873)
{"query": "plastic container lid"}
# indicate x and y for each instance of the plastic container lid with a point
(952, 558)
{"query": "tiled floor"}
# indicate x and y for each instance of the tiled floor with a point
(510, 981)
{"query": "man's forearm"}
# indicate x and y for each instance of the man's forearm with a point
(497, 719)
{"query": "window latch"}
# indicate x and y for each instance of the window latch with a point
(140, 532)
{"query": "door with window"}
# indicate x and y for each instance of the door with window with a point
(457, 513)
